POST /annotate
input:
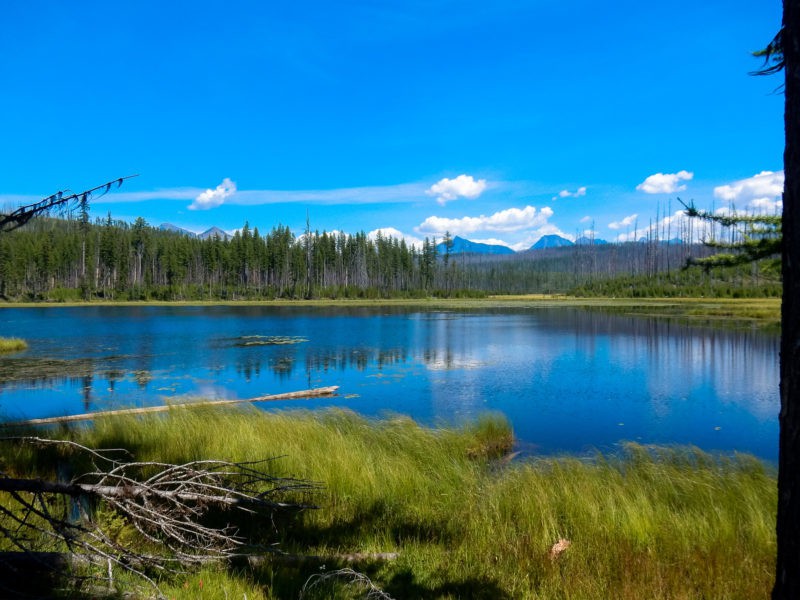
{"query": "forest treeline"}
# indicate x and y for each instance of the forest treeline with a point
(64, 260)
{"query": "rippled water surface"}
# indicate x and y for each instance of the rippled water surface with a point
(568, 379)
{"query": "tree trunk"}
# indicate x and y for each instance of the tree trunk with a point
(787, 581)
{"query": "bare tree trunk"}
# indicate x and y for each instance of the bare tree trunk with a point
(787, 582)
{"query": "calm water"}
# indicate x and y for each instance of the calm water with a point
(568, 379)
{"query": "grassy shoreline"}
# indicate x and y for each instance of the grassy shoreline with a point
(463, 520)
(762, 312)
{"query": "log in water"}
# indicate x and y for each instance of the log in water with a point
(312, 393)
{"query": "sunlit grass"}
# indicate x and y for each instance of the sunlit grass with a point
(12, 345)
(647, 523)
(763, 312)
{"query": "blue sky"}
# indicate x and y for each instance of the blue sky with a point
(499, 120)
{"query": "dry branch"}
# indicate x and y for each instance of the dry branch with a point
(174, 508)
(58, 201)
(348, 577)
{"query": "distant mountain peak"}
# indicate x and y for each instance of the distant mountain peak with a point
(587, 241)
(176, 229)
(551, 241)
(464, 246)
(209, 233)
(212, 232)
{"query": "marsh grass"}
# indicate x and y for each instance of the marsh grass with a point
(646, 523)
(12, 345)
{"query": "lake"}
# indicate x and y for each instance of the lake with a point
(569, 380)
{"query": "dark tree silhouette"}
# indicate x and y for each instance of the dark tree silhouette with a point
(63, 201)
(784, 53)
(752, 237)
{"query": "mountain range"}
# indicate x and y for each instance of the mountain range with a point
(459, 245)
(463, 246)
(207, 234)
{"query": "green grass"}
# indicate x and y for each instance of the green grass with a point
(760, 312)
(763, 312)
(12, 345)
(465, 522)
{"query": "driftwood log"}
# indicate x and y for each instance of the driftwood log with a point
(322, 392)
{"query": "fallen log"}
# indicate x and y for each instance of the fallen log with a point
(322, 392)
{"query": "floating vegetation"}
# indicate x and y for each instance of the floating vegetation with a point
(12, 345)
(45, 369)
(268, 340)
(142, 377)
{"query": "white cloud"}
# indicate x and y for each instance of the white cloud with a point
(665, 183)
(626, 222)
(766, 205)
(586, 219)
(512, 219)
(462, 186)
(581, 191)
(405, 192)
(397, 234)
(213, 198)
(675, 226)
(762, 192)
(492, 242)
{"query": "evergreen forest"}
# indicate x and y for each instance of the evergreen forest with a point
(72, 260)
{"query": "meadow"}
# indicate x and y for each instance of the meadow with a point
(450, 513)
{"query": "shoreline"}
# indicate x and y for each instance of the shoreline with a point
(764, 312)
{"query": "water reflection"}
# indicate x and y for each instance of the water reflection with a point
(568, 379)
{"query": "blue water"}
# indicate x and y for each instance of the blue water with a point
(569, 380)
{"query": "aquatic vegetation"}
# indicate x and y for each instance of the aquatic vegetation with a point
(12, 345)
(35, 369)
(268, 340)
(459, 517)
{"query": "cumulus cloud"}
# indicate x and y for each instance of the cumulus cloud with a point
(387, 232)
(512, 219)
(581, 191)
(665, 183)
(762, 192)
(463, 186)
(766, 205)
(626, 222)
(586, 219)
(675, 226)
(215, 197)
(492, 242)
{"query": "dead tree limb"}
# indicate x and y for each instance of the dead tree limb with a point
(59, 201)
(185, 513)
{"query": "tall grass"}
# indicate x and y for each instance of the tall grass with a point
(12, 345)
(647, 523)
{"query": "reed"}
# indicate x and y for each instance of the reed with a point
(12, 345)
(465, 522)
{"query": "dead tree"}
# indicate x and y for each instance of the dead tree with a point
(63, 201)
(185, 514)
